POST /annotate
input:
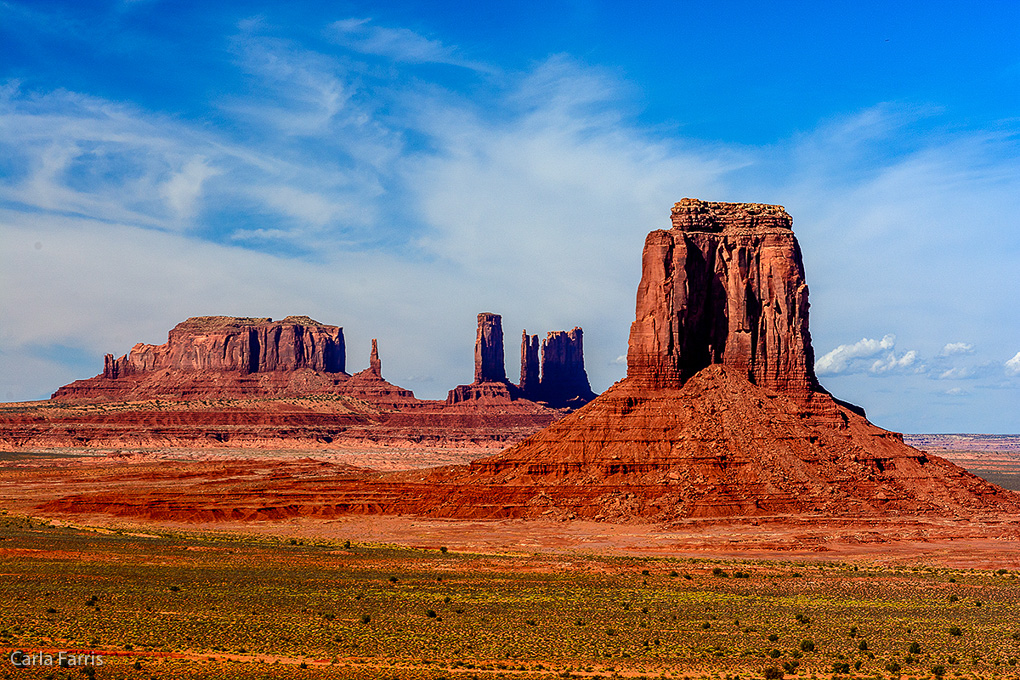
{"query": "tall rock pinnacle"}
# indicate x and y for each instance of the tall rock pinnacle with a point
(374, 364)
(489, 365)
(530, 385)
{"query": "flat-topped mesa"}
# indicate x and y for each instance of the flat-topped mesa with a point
(238, 344)
(724, 286)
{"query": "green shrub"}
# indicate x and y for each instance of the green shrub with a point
(807, 645)
(840, 667)
(365, 618)
(863, 646)
(938, 671)
(773, 637)
(892, 667)
(955, 631)
(773, 673)
(914, 648)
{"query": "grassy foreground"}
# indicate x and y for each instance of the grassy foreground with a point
(176, 605)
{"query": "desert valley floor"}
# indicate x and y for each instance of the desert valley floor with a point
(183, 591)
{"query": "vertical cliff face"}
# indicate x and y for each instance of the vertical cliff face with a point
(232, 344)
(489, 366)
(564, 380)
(724, 286)
(530, 381)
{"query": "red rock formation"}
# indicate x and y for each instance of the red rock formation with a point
(490, 385)
(370, 385)
(564, 380)
(720, 413)
(489, 364)
(374, 364)
(163, 398)
(222, 356)
(724, 286)
(530, 383)
(246, 345)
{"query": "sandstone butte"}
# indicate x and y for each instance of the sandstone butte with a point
(720, 414)
(249, 382)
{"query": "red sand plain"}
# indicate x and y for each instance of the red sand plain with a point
(282, 493)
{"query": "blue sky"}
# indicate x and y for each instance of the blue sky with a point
(396, 168)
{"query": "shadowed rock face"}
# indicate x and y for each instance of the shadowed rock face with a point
(724, 286)
(530, 381)
(564, 380)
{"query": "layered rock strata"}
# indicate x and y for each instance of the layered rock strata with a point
(245, 345)
(198, 391)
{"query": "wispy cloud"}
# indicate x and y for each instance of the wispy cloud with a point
(398, 44)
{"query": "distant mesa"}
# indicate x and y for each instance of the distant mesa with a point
(560, 381)
(222, 381)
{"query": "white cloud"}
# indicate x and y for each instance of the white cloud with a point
(844, 358)
(890, 362)
(1013, 365)
(868, 355)
(954, 348)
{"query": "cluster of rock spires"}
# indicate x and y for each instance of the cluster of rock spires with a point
(559, 381)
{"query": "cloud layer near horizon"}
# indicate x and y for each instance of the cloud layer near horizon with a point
(360, 185)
